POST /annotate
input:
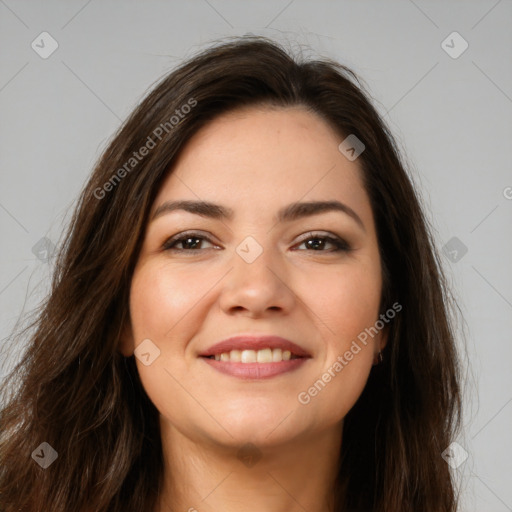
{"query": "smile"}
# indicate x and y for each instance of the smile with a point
(255, 356)
(265, 355)
(255, 364)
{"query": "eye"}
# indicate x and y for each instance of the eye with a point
(192, 241)
(189, 241)
(317, 243)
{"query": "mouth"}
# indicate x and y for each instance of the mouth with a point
(255, 357)
(264, 356)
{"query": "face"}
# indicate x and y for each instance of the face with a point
(311, 276)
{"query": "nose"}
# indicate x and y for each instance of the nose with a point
(258, 288)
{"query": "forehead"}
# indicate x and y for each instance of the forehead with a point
(265, 156)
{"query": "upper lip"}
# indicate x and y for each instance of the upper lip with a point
(254, 342)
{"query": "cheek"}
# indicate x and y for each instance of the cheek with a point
(162, 302)
(160, 298)
(346, 300)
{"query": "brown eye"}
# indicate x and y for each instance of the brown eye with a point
(318, 243)
(187, 241)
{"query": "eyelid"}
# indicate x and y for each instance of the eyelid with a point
(184, 234)
(340, 243)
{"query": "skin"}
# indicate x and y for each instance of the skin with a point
(256, 161)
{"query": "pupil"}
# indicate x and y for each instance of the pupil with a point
(188, 241)
(315, 243)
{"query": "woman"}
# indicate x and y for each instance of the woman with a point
(248, 312)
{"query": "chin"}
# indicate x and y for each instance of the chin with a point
(266, 425)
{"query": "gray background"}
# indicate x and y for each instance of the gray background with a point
(451, 115)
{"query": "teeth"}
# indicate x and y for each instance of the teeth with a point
(266, 355)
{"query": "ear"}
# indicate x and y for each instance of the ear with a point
(383, 337)
(126, 345)
(380, 343)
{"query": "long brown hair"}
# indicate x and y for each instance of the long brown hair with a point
(73, 389)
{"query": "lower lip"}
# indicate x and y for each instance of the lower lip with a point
(254, 371)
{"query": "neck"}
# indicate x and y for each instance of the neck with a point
(292, 477)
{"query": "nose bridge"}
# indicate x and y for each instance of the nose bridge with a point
(256, 282)
(253, 262)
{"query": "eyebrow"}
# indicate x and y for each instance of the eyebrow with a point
(289, 213)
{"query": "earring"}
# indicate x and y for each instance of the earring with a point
(378, 359)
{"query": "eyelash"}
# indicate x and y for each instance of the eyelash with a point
(339, 244)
